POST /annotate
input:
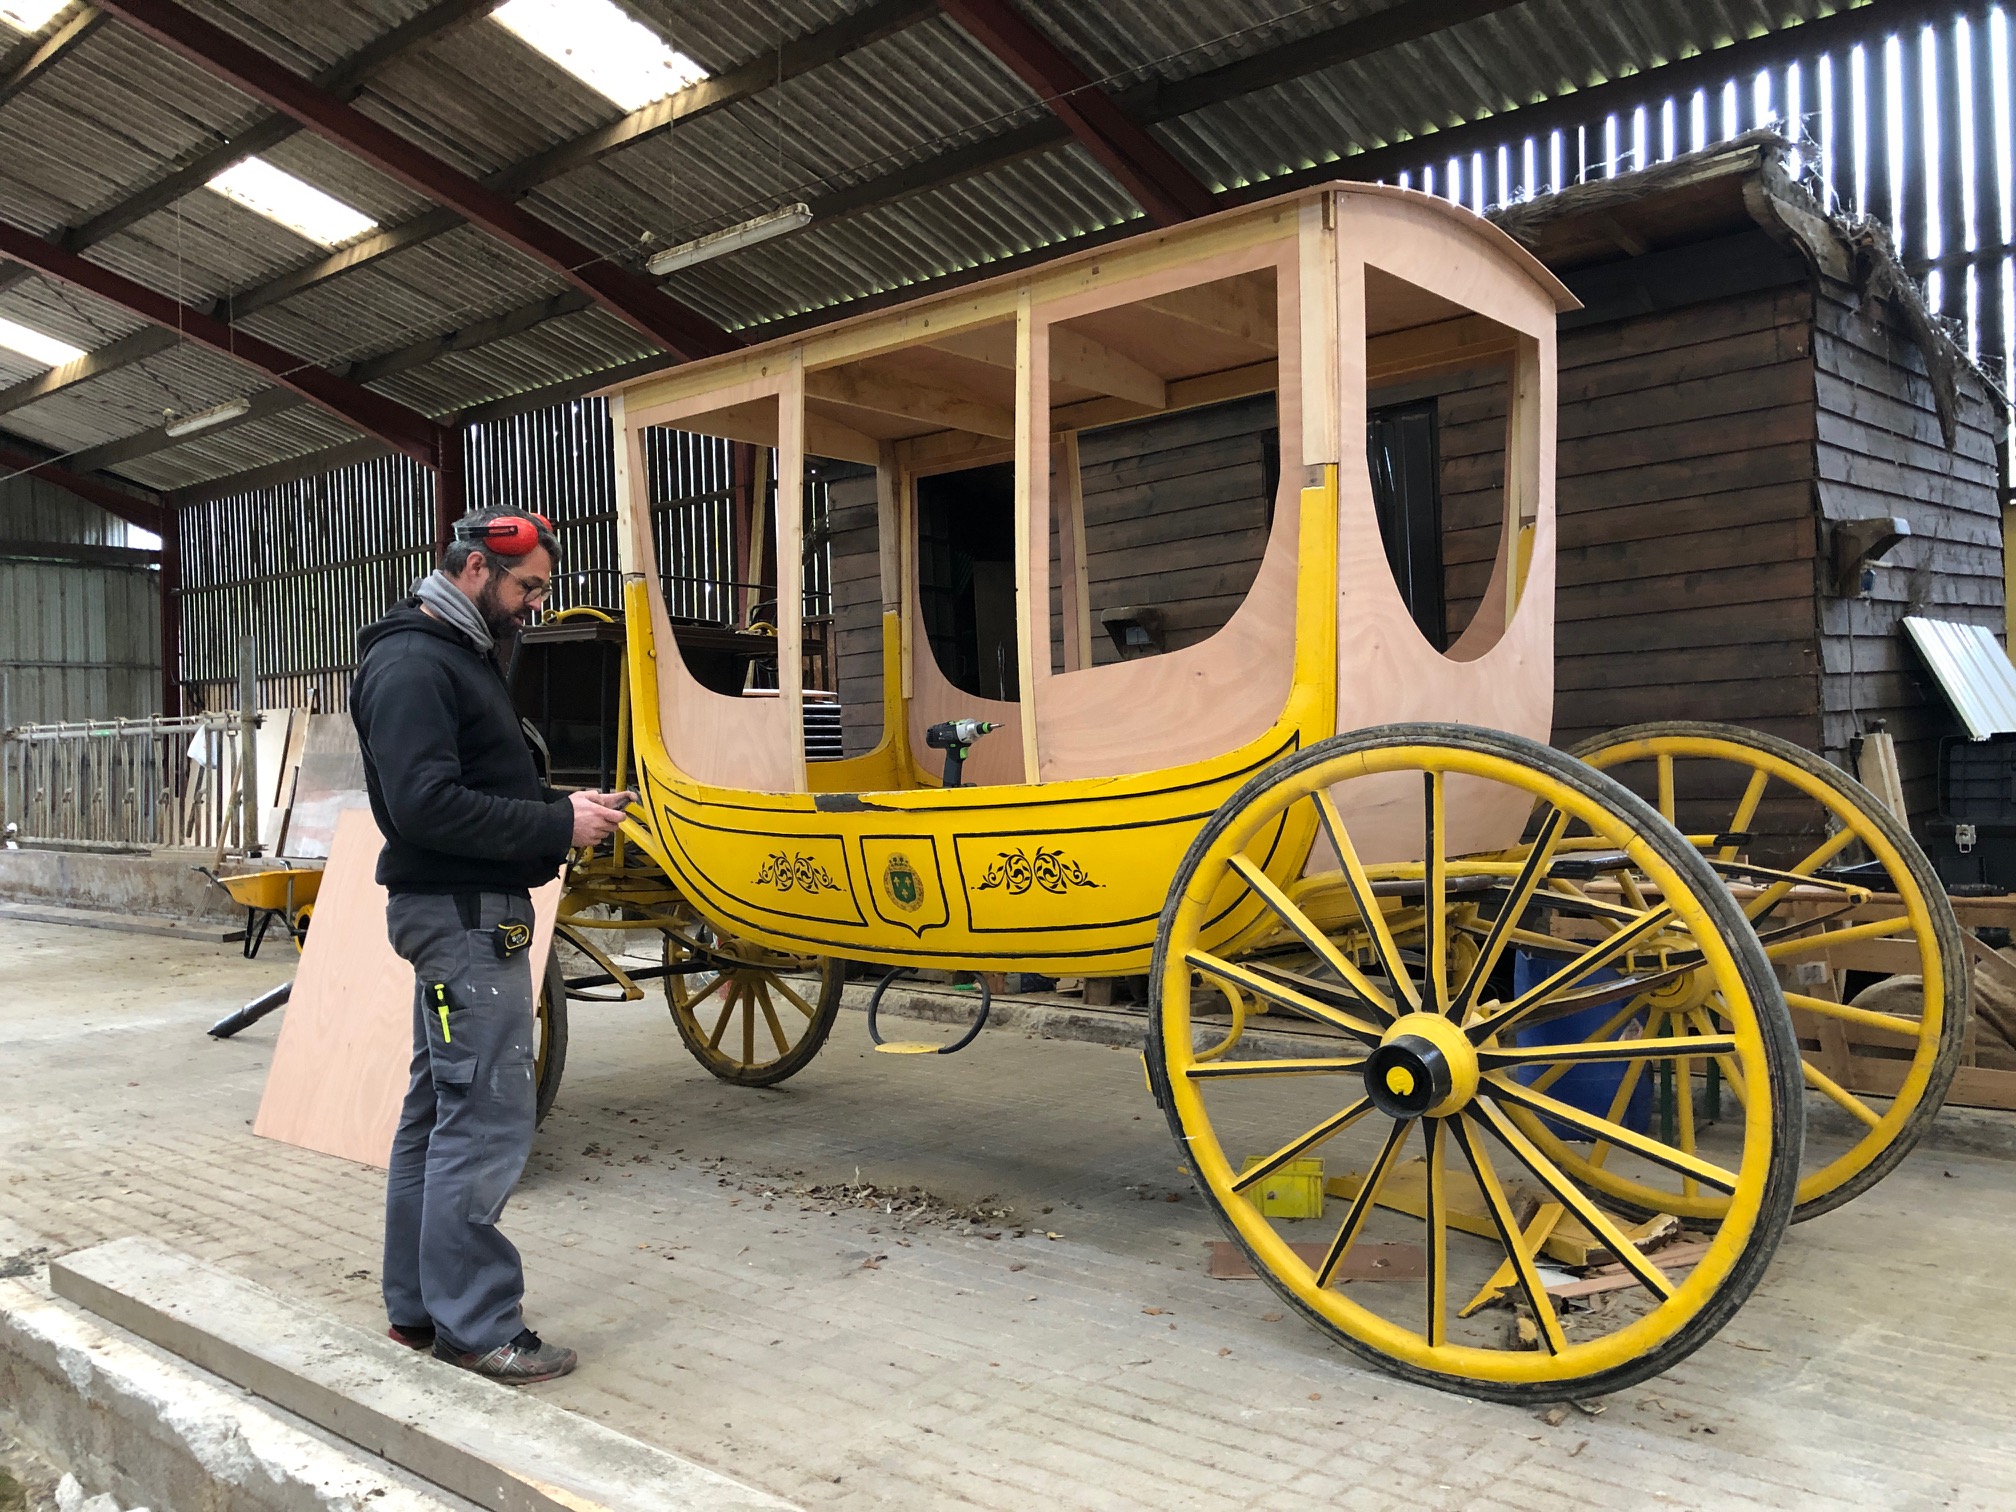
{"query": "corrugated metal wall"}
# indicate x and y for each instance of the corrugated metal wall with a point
(302, 567)
(1912, 128)
(80, 610)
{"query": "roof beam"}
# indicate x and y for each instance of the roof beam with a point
(144, 510)
(1147, 170)
(407, 430)
(872, 24)
(1408, 21)
(633, 299)
(345, 80)
(32, 59)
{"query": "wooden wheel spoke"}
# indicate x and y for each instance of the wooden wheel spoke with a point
(1814, 859)
(1283, 995)
(1746, 811)
(1435, 1214)
(796, 1001)
(1868, 1018)
(1619, 1101)
(1593, 959)
(1224, 1070)
(1306, 930)
(770, 1018)
(1434, 894)
(1732, 1075)
(1574, 1199)
(1506, 1090)
(1509, 1235)
(749, 1024)
(1839, 1095)
(1820, 944)
(1609, 1031)
(1363, 1204)
(1367, 902)
(1530, 875)
(1664, 1048)
(1302, 1143)
(721, 1024)
(1667, 805)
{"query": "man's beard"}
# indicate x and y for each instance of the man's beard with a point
(503, 625)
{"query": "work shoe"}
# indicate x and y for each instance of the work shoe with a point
(521, 1362)
(417, 1336)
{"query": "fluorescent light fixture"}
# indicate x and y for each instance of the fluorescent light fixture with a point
(299, 206)
(202, 420)
(31, 15)
(609, 51)
(731, 239)
(32, 343)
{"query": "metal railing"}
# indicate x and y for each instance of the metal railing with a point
(128, 783)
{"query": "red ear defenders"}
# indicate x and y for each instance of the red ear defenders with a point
(507, 535)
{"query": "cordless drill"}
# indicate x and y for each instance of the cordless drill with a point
(955, 738)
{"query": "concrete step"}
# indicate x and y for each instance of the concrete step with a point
(151, 1430)
(146, 924)
(498, 1447)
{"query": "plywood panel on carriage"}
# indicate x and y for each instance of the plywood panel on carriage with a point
(341, 1060)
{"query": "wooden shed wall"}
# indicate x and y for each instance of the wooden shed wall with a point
(1880, 452)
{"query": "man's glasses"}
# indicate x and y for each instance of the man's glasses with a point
(534, 588)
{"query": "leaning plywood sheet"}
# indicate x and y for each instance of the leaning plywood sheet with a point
(339, 1069)
(331, 781)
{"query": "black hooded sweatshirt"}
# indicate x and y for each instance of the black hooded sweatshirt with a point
(452, 781)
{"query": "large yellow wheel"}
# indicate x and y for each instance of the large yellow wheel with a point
(1844, 899)
(749, 1015)
(1420, 1072)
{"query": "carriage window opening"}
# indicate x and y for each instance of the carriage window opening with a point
(714, 527)
(966, 578)
(1407, 490)
(844, 602)
(1438, 401)
(1159, 532)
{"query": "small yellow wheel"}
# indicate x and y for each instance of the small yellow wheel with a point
(1418, 1078)
(298, 925)
(1844, 899)
(749, 1015)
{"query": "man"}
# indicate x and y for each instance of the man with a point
(469, 831)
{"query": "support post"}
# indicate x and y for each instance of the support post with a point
(171, 611)
(248, 745)
(451, 486)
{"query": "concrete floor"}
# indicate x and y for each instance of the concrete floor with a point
(818, 1352)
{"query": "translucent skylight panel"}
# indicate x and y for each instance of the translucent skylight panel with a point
(294, 203)
(32, 343)
(606, 49)
(31, 15)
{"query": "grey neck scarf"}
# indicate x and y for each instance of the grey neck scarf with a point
(438, 592)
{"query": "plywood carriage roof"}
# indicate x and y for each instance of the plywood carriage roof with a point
(924, 155)
(907, 346)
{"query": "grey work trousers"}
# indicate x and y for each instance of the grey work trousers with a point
(466, 1126)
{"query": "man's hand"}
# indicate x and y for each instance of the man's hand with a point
(596, 815)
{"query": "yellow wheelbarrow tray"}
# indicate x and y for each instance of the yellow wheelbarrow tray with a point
(286, 894)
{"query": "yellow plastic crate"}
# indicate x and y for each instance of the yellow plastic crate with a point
(1294, 1191)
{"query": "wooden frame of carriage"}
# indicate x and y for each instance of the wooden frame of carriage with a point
(1383, 923)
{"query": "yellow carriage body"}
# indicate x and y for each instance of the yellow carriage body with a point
(1058, 855)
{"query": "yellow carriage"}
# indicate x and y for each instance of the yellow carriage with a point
(1386, 928)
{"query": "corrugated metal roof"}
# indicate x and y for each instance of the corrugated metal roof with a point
(120, 113)
(1973, 669)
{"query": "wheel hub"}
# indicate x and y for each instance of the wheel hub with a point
(1424, 1067)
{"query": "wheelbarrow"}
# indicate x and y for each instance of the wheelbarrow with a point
(286, 896)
